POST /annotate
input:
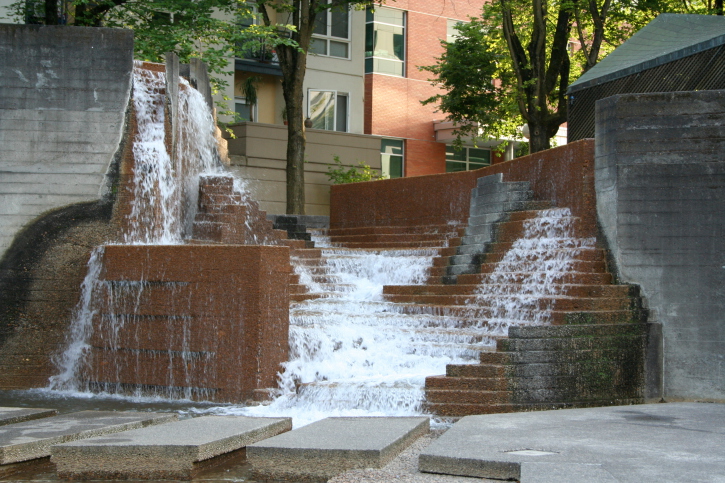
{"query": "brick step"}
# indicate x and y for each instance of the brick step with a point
(571, 277)
(562, 303)
(300, 253)
(215, 217)
(294, 243)
(577, 254)
(294, 278)
(466, 396)
(486, 371)
(386, 230)
(458, 383)
(394, 237)
(575, 266)
(474, 327)
(301, 297)
(557, 317)
(398, 245)
(280, 234)
(297, 288)
(570, 290)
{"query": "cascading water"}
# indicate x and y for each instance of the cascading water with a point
(352, 353)
(165, 192)
(531, 272)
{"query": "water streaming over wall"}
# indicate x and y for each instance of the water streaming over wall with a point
(162, 207)
(521, 288)
(351, 352)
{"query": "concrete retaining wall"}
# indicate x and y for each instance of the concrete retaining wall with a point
(62, 115)
(660, 179)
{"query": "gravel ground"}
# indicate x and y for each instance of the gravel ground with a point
(404, 469)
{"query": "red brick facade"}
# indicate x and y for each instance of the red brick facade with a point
(392, 104)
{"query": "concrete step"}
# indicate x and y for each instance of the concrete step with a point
(18, 415)
(33, 439)
(476, 370)
(332, 446)
(394, 237)
(172, 451)
(392, 244)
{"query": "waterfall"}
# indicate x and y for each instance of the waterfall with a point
(162, 208)
(521, 288)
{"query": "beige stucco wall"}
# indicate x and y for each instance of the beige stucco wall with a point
(258, 155)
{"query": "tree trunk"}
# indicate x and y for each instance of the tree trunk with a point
(538, 137)
(296, 141)
(51, 12)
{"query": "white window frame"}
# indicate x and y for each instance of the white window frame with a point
(330, 38)
(385, 167)
(335, 96)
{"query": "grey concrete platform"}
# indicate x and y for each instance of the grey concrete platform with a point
(18, 415)
(326, 448)
(674, 442)
(171, 451)
(33, 439)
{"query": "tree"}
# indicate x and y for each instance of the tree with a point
(206, 29)
(528, 41)
(293, 61)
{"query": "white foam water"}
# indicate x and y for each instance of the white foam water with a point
(521, 289)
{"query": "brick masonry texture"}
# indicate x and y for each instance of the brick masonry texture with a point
(660, 182)
(225, 305)
(563, 175)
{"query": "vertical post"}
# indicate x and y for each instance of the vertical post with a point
(172, 99)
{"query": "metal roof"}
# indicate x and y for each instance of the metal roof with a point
(668, 37)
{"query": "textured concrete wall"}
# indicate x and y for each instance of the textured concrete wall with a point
(660, 179)
(63, 98)
(563, 175)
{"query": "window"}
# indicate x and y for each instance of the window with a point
(259, 50)
(328, 110)
(465, 159)
(391, 158)
(331, 35)
(385, 41)
(244, 110)
(451, 33)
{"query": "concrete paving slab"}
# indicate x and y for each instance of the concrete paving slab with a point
(674, 442)
(329, 447)
(18, 415)
(171, 451)
(33, 439)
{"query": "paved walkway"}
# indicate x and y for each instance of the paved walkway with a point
(675, 442)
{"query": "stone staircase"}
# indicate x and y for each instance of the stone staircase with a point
(590, 352)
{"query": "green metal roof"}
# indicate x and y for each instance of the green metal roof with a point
(667, 38)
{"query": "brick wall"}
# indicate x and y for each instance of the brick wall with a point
(212, 319)
(564, 175)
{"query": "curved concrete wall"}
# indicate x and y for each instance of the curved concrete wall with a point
(63, 97)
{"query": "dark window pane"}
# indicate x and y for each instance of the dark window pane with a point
(369, 16)
(396, 166)
(477, 165)
(369, 66)
(339, 49)
(369, 37)
(243, 110)
(479, 156)
(321, 23)
(454, 167)
(340, 23)
(455, 154)
(341, 119)
(391, 146)
(318, 46)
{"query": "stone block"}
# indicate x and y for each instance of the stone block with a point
(171, 451)
(334, 445)
(19, 415)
